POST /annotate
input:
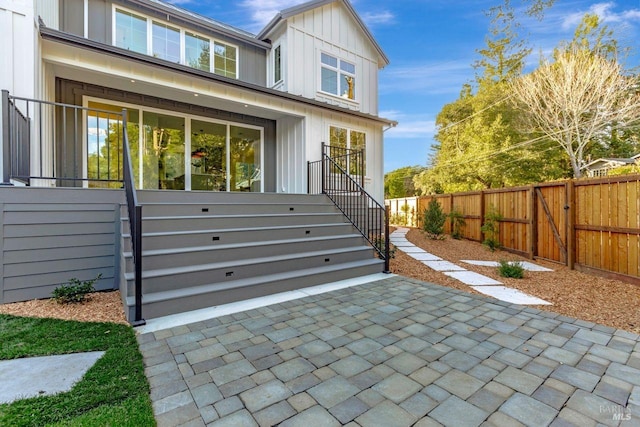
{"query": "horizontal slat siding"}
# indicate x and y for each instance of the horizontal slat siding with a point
(51, 237)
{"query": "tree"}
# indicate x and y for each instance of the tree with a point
(399, 182)
(576, 98)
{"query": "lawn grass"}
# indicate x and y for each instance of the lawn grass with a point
(114, 392)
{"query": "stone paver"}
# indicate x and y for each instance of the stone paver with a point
(396, 352)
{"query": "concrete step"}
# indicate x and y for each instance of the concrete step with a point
(180, 257)
(173, 301)
(169, 196)
(220, 222)
(194, 238)
(204, 209)
(220, 272)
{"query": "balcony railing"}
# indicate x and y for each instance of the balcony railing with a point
(331, 176)
(73, 146)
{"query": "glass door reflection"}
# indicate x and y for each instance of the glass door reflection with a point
(208, 156)
(245, 158)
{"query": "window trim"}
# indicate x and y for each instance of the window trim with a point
(183, 30)
(338, 71)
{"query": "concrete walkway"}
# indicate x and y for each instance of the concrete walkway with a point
(394, 352)
(481, 283)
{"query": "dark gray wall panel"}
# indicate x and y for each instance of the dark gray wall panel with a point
(72, 17)
(52, 235)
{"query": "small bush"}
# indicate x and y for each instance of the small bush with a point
(511, 269)
(457, 220)
(434, 220)
(380, 242)
(491, 229)
(75, 290)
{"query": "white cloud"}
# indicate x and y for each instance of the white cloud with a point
(606, 12)
(263, 11)
(377, 18)
(445, 77)
(410, 126)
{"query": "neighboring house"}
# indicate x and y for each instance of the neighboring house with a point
(601, 167)
(209, 108)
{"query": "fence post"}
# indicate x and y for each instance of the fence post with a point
(387, 210)
(482, 212)
(571, 220)
(531, 227)
(6, 145)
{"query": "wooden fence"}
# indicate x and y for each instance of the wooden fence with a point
(591, 225)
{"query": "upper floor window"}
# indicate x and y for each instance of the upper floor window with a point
(131, 31)
(166, 42)
(144, 35)
(338, 77)
(277, 64)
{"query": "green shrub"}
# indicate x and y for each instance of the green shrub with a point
(75, 290)
(434, 220)
(457, 220)
(379, 243)
(491, 229)
(512, 269)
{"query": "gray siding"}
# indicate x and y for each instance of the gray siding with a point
(252, 65)
(52, 235)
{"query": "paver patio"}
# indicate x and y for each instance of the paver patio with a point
(395, 352)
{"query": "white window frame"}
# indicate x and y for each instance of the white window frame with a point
(339, 71)
(183, 31)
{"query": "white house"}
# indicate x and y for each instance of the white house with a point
(209, 111)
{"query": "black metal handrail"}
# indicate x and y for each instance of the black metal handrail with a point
(135, 221)
(330, 176)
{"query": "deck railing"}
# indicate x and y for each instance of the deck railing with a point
(64, 136)
(331, 176)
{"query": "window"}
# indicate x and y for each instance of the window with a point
(131, 31)
(166, 42)
(349, 148)
(277, 64)
(224, 60)
(197, 52)
(144, 35)
(337, 76)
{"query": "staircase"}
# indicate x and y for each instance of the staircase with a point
(202, 249)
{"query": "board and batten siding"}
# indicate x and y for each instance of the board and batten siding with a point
(333, 30)
(52, 235)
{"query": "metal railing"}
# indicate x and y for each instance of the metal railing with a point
(55, 131)
(331, 176)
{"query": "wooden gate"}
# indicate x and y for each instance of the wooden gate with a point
(550, 222)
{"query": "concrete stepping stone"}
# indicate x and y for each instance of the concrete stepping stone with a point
(471, 278)
(529, 266)
(443, 266)
(424, 256)
(43, 376)
(513, 296)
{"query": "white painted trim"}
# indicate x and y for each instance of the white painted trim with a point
(86, 18)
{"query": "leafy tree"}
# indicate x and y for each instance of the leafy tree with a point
(399, 182)
(480, 142)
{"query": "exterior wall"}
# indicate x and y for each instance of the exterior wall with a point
(330, 29)
(52, 235)
(292, 157)
(252, 60)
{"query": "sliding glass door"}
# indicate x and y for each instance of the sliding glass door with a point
(170, 151)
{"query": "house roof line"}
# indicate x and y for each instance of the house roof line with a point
(304, 7)
(77, 41)
(203, 21)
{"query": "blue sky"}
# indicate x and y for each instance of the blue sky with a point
(432, 45)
